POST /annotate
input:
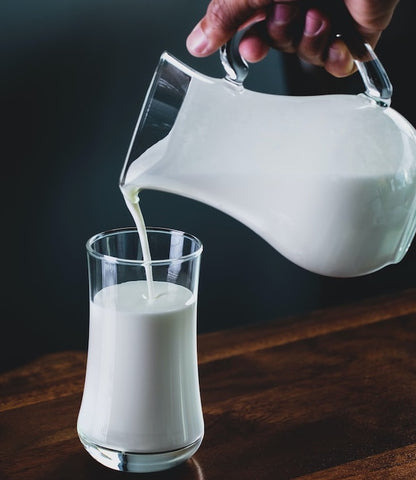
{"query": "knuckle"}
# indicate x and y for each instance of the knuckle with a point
(227, 15)
(220, 13)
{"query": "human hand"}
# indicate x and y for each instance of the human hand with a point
(305, 27)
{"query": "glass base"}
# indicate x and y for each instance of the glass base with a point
(139, 462)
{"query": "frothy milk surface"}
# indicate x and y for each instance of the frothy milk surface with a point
(142, 391)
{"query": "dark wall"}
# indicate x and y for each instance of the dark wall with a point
(73, 76)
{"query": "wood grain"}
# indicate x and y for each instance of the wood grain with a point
(329, 395)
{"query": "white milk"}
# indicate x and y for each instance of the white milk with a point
(328, 181)
(141, 391)
(131, 198)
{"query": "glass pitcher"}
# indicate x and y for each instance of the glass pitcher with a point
(329, 181)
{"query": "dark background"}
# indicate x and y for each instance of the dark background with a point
(73, 76)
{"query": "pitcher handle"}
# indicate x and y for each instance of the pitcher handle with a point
(376, 81)
(235, 66)
(374, 77)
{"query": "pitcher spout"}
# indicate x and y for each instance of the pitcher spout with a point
(160, 108)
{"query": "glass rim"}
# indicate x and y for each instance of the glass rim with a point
(162, 261)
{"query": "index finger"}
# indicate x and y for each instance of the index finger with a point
(222, 20)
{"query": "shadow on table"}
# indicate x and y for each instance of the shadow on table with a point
(81, 466)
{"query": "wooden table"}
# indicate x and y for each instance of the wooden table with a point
(328, 395)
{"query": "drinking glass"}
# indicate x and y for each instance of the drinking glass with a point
(141, 407)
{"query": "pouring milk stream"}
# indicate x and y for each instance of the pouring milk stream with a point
(329, 181)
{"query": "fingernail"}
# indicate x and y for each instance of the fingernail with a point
(197, 41)
(336, 55)
(312, 25)
(341, 60)
(283, 13)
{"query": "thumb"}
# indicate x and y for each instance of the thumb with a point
(221, 21)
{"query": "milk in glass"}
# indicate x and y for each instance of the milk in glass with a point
(141, 408)
(142, 370)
